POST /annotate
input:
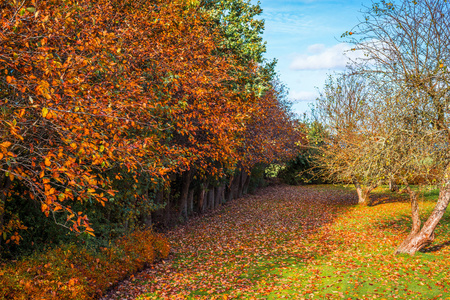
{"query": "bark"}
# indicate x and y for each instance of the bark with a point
(363, 193)
(167, 209)
(246, 183)
(186, 179)
(222, 194)
(242, 178)
(224, 200)
(201, 199)
(425, 236)
(190, 204)
(235, 186)
(217, 200)
(211, 198)
(393, 187)
(414, 211)
(229, 190)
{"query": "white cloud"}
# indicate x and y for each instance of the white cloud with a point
(316, 48)
(321, 58)
(303, 96)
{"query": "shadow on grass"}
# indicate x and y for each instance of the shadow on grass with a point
(435, 248)
(383, 198)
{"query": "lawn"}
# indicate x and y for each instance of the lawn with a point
(310, 242)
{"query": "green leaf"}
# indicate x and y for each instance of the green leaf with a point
(31, 9)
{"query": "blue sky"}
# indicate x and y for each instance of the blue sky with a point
(304, 36)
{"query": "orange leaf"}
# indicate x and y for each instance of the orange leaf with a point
(5, 144)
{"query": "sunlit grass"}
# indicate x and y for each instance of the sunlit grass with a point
(348, 257)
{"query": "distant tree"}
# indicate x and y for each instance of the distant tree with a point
(343, 109)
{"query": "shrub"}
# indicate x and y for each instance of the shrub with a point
(75, 272)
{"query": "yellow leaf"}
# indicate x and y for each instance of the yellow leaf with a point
(44, 112)
(1, 155)
(44, 207)
(441, 65)
(47, 162)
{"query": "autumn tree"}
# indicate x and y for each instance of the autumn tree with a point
(273, 132)
(250, 87)
(343, 108)
(85, 98)
(125, 104)
(406, 56)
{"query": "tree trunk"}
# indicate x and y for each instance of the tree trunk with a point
(190, 204)
(393, 187)
(241, 183)
(229, 190)
(235, 186)
(422, 238)
(167, 209)
(186, 178)
(363, 193)
(217, 199)
(246, 183)
(222, 194)
(211, 198)
(201, 198)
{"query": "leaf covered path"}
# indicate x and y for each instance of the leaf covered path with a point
(294, 242)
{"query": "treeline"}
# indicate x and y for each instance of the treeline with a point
(119, 114)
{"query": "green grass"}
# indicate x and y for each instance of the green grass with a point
(279, 245)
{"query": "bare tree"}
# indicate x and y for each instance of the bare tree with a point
(407, 55)
(343, 108)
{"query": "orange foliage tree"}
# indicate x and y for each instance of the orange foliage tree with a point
(97, 92)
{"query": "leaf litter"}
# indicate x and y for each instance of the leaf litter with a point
(304, 242)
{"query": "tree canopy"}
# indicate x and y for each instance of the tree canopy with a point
(104, 98)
